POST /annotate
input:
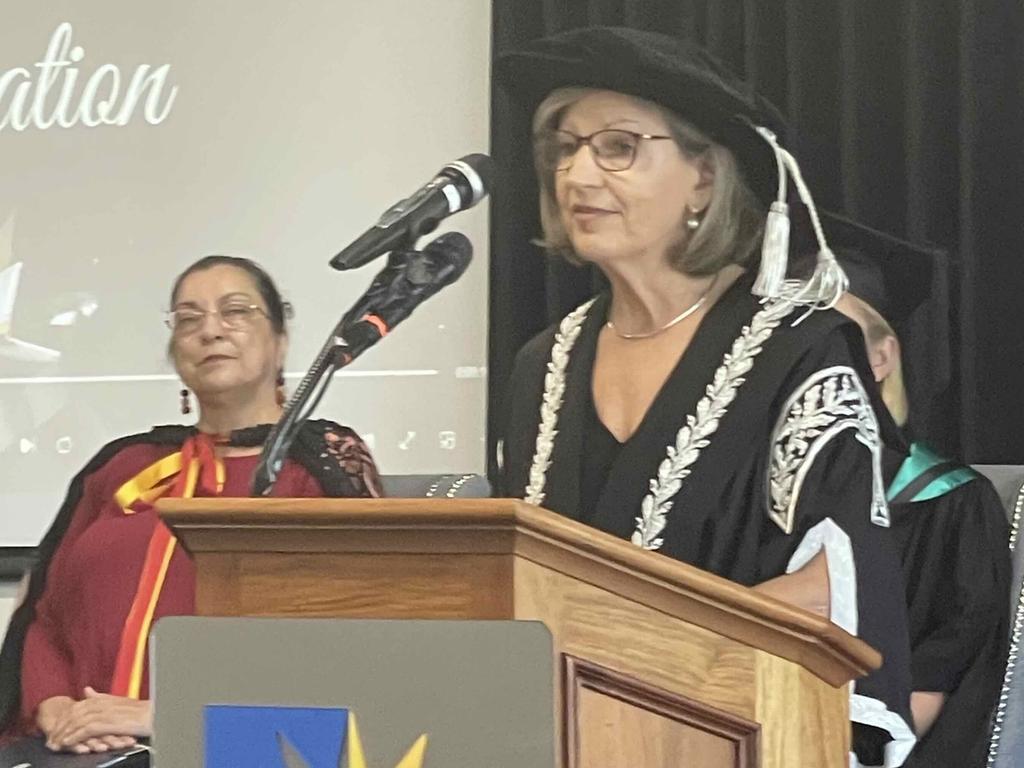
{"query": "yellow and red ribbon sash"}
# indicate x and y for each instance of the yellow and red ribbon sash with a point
(195, 468)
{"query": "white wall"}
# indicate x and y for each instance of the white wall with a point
(8, 590)
(289, 134)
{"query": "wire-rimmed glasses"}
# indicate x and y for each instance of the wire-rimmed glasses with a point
(235, 315)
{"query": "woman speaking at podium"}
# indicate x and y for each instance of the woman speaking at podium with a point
(704, 406)
(74, 662)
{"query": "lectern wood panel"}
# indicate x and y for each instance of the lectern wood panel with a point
(612, 720)
(362, 586)
(811, 721)
(656, 651)
(637, 641)
(621, 734)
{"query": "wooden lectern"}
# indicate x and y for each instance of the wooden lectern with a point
(659, 663)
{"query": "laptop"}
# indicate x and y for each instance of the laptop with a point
(336, 693)
(31, 752)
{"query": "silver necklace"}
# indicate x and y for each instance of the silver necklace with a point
(674, 321)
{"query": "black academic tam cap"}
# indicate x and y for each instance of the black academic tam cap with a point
(671, 72)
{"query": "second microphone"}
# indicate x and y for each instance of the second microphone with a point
(461, 184)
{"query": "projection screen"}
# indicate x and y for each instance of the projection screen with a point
(137, 137)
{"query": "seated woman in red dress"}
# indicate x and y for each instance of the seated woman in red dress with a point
(74, 662)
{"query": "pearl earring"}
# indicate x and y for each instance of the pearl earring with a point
(693, 220)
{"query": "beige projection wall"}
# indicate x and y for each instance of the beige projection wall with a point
(136, 137)
(8, 592)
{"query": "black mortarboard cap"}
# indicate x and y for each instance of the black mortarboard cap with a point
(908, 284)
(892, 275)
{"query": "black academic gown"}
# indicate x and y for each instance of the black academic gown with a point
(777, 462)
(953, 537)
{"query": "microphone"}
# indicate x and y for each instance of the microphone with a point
(383, 282)
(459, 185)
(409, 279)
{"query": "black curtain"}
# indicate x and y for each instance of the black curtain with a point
(910, 118)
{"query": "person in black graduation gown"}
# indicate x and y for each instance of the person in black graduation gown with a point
(701, 407)
(953, 536)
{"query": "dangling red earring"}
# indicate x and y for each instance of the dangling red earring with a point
(186, 403)
(282, 394)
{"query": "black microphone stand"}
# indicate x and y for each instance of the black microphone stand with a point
(346, 342)
(336, 353)
(409, 278)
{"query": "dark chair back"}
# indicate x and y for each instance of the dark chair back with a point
(464, 486)
(1006, 745)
